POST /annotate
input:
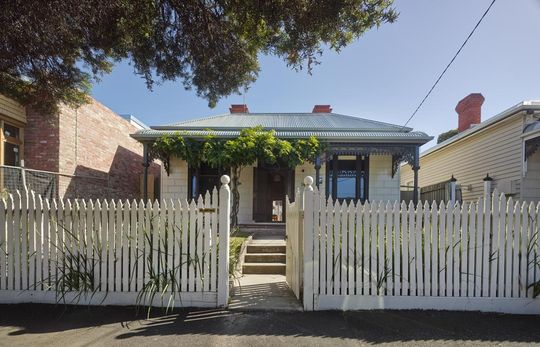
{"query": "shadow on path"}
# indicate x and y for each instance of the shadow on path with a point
(193, 325)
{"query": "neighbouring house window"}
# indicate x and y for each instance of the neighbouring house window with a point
(203, 179)
(11, 144)
(347, 177)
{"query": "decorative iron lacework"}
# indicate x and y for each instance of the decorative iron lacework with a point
(399, 153)
(531, 146)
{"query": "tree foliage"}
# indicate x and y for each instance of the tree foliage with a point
(251, 145)
(51, 51)
(446, 135)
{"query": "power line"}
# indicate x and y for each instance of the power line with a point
(449, 64)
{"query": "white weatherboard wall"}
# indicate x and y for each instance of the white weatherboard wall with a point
(382, 186)
(496, 150)
(386, 255)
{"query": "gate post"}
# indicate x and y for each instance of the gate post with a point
(224, 231)
(308, 244)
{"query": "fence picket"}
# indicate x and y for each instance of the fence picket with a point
(316, 240)
(343, 240)
(463, 249)
(501, 252)
(471, 273)
(322, 257)
(404, 250)
(199, 245)
(396, 272)
(381, 281)
(192, 265)
(45, 276)
(118, 238)
(24, 240)
(442, 248)
(523, 250)
(336, 245)
(185, 249)
(177, 246)
(531, 249)
(495, 250)
(37, 242)
(169, 232)
(434, 276)
(449, 248)
(141, 241)
(133, 237)
(412, 250)
(126, 237)
(418, 251)
(366, 282)
(373, 250)
(389, 246)
(214, 240)
(479, 248)
(456, 244)
(206, 243)
(427, 249)
(486, 245)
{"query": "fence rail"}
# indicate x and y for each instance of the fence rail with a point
(173, 253)
(470, 256)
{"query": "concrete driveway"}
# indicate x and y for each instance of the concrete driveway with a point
(47, 325)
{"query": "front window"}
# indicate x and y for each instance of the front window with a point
(11, 144)
(203, 179)
(347, 177)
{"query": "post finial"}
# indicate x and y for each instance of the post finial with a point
(453, 179)
(488, 178)
(308, 181)
(225, 179)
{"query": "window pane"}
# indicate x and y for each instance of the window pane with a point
(11, 154)
(346, 178)
(11, 131)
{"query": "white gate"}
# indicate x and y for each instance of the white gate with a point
(294, 244)
(173, 253)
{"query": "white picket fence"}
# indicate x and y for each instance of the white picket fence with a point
(471, 256)
(173, 253)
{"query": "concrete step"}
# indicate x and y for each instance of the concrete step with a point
(265, 248)
(265, 258)
(263, 268)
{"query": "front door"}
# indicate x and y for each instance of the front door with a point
(270, 186)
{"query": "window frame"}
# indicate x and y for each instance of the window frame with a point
(11, 140)
(332, 166)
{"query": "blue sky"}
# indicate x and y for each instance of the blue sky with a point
(383, 75)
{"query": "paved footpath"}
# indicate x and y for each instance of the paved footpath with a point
(47, 325)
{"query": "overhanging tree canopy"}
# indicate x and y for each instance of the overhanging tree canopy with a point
(251, 145)
(50, 51)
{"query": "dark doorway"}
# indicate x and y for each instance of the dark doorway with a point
(270, 186)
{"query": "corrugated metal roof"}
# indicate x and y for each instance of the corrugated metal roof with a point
(371, 136)
(285, 121)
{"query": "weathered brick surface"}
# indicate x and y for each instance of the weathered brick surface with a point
(93, 144)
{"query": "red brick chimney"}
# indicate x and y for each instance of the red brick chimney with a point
(239, 108)
(469, 111)
(322, 109)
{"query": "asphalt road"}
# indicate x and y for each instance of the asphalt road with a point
(48, 325)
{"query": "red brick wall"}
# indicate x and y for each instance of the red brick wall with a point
(41, 141)
(93, 144)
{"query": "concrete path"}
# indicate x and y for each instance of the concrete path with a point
(49, 325)
(263, 292)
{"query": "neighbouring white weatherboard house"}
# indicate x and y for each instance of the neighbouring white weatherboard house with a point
(504, 146)
(361, 160)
